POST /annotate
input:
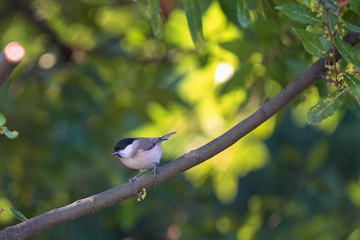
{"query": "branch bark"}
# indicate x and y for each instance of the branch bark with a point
(188, 160)
(10, 57)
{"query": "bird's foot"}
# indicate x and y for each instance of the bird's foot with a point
(155, 170)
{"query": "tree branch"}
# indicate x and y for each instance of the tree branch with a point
(10, 57)
(112, 196)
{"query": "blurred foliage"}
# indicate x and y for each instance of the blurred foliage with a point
(94, 73)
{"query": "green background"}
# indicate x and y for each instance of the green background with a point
(285, 180)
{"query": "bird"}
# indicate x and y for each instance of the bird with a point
(140, 153)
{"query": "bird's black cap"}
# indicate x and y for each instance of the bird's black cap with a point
(123, 143)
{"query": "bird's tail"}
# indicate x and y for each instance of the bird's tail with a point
(163, 138)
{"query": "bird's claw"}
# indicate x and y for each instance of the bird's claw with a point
(155, 170)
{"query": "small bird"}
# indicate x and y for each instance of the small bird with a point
(140, 153)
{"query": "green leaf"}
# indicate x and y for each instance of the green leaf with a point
(355, 6)
(311, 41)
(156, 18)
(347, 51)
(326, 107)
(2, 119)
(243, 14)
(315, 29)
(18, 214)
(298, 14)
(193, 15)
(353, 85)
(10, 134)
(325, 42)
(268, 9)
(350, 26)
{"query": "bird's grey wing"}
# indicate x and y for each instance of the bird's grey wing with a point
(147, 143)
(163, 138)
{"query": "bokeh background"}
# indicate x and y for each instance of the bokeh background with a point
(94, 73)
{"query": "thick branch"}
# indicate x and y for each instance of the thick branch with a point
(112, 196)
(10, 57)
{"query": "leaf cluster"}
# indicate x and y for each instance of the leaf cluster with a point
(325, 28)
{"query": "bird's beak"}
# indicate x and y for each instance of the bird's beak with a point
(116, 154)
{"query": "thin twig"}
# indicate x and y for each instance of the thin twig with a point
(10, 57)
(323, 76)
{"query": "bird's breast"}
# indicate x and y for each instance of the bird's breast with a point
(144, 159)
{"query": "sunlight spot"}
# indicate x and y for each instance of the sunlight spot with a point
(223, 72)
(223, 224)
(173, 232)
(47, 60)
(6, 216)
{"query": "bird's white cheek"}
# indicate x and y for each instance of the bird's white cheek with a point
(126, 151)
